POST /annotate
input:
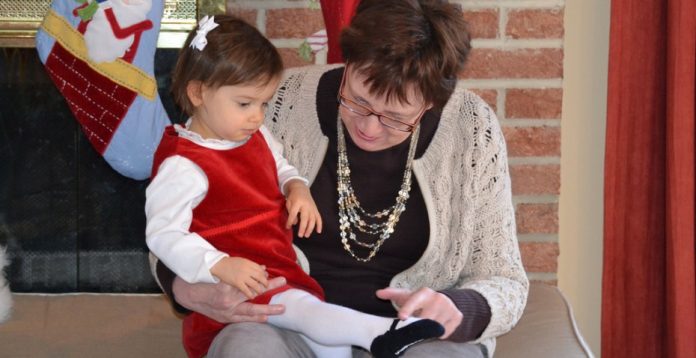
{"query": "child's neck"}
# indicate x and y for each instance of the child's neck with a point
(201, 129)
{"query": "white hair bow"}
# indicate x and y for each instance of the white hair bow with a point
(204, 26)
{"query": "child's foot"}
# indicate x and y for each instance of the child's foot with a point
(395, 341)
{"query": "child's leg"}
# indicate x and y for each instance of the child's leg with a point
(324, 351)
(334, 325)
(326, 323)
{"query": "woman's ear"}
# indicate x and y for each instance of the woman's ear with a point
(194, 91)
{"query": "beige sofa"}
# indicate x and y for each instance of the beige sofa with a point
(91, 325)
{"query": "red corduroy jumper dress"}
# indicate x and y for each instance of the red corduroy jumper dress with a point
(243, 214)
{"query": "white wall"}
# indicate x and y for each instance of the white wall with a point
(582, 161)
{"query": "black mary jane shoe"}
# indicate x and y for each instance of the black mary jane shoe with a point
(395, 342)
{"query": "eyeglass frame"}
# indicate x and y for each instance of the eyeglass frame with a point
(343, 99)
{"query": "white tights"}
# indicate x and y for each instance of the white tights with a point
(328, 329)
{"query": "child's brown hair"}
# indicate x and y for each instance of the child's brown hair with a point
(236, 53)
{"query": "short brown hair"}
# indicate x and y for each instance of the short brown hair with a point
(396, 43)
(236, 53)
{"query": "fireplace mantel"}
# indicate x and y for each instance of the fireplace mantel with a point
(19, 20)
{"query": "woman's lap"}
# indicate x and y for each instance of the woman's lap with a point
(246, 340)
(435, 348)
(264, 340)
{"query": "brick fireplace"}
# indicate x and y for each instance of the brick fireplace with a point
(68, 218)
(69, 221)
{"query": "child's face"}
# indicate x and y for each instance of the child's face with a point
(230, 112)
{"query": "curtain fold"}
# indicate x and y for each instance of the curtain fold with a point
(337, 15)
(649, 282)
(680, 212)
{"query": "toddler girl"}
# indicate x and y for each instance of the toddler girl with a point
(222, 199)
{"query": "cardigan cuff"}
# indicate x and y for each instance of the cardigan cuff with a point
(475, 310)
(166, 277)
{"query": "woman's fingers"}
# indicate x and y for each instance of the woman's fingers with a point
(250, 312)
(276, 282)
(425, 303)
(223, 302)
(413, 305)
(396, 295)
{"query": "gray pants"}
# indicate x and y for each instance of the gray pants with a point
(250, 340)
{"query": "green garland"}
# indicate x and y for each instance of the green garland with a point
(305, 50)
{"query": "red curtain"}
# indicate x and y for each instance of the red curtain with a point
(337, 14)
(649, 283)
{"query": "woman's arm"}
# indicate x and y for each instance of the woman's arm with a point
(485, 281)
(494, 265)
(219, 301)
(476, 314)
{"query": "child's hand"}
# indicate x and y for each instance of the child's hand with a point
(300, 204)
(246, 275)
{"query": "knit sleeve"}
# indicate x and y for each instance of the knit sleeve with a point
(494, 267)
(165, 279)
(292, 118)
(476, 314)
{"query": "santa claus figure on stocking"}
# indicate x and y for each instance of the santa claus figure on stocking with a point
(115, 28)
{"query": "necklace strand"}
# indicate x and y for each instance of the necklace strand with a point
(350, 212)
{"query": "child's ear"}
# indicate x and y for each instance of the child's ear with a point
(194, 91)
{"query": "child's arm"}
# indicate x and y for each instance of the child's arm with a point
(296, 190)
(300, 204)
(286, 171)
(173, 193)
(246, 275)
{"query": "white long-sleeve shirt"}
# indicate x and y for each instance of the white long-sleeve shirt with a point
(179, 186)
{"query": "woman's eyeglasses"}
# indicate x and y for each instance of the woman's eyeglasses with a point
(363, 111)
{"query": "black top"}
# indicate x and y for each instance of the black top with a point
(345, 280)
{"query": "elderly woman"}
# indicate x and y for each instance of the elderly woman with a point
(409, 172)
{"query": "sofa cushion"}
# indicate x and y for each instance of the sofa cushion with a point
(547, 328)
(82, 325)
(91, 325)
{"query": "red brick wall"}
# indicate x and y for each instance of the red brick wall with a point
(516, 66)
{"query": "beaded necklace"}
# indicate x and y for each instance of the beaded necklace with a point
(351, 214)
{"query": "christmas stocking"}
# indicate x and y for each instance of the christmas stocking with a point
(337, 15)
(100, 55)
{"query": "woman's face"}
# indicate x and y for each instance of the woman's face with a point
(367, 132)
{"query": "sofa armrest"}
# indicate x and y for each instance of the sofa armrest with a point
(547, 328)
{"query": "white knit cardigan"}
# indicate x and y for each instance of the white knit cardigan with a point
(464, 178)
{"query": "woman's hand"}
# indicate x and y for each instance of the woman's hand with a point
(301, 205)
(424, 303)
(223, 302)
